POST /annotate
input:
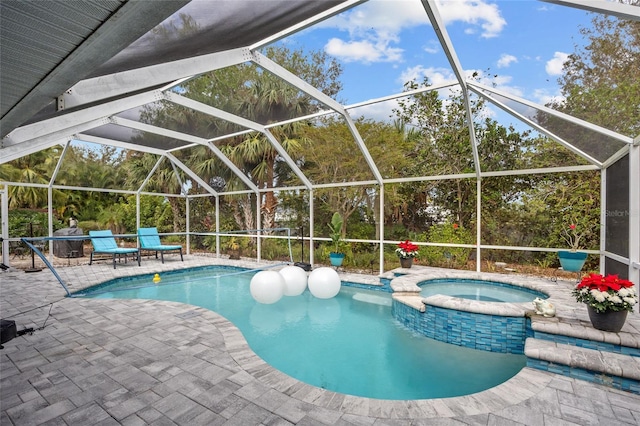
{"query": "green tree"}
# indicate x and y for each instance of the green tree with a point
(444, 147)
(329, 147)
(35, 168)
(599, 85)
(253, 93)
(600, 81)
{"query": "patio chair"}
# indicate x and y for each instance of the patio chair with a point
(103, 242)
(150, 241)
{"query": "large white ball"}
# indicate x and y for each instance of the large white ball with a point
(295, 280)
(324, 283)
(267, 287)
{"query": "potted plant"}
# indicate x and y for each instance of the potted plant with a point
(573, 260)
(407, 251)
(608, 300)
(336, 257)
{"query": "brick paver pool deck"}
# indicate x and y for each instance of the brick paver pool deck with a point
(136, 362)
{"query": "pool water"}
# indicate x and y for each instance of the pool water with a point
(487, 291)
(348, 344)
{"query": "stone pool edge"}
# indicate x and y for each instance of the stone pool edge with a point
(524, 385)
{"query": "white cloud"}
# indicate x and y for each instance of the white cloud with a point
(445, 75)
(506, 60)
(476, 13)
(554, 66)
(432, 46)
(436, 75)
(363, 51)
(543, 97)
(382, 111)
(374, 27)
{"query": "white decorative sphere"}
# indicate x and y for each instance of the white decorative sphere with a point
(295, 280)
(267, 287)
(324, 283)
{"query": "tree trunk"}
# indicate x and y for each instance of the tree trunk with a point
(175, 209)
(269, 211)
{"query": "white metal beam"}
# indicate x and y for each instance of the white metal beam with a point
(191, 174)
(296, 81)
(307, 23)
(93, 89)
(620, 10)
(213, 111)
(59, 164)
(363, 148)
(539, 128)
(118, 144)
(77, 121)
(147, 179)
(26, 148)
(188, 138)
(603, 131)
(216, 112)
(431, 7)
(634, 213)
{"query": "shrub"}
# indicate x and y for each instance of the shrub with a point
(447, 256)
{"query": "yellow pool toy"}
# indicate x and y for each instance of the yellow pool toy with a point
(156, 278)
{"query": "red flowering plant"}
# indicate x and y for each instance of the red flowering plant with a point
(608, 293)
(407, 249)
(573, 234)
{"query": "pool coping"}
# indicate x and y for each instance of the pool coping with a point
(525, 398)
(406, 290)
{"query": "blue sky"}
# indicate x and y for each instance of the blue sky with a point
(383, 43)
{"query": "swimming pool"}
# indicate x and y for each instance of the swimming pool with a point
(349, 344)
(482, 290)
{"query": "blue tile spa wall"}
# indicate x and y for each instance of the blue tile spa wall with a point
(472, 330)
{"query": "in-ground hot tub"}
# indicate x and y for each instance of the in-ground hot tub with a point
(464, 317)
(482, 290)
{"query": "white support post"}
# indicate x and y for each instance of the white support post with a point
(258, 226)
(311, 227)
(217, 226)
(138, 218)
(4, 205)
(50, 221)
(634, 214)
(478, 221)
(381, 226)
(603, 217)
(188, 220)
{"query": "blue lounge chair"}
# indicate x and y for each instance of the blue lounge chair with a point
(150, 241)
(103, 242)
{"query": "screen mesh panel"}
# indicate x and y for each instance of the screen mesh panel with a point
(614, 267)
(617, 208)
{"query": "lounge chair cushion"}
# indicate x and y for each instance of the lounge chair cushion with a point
(150, 240)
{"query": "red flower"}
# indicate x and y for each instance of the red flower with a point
(610, 282)
(407, 249)
(455, 226)
(572, 226)
(408, 246)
